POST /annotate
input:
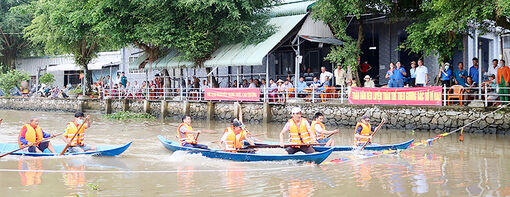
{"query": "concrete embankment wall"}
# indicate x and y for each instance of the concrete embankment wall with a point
(426, 118)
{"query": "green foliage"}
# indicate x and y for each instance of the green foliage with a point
(11, 79)
(75, 91)
(127, 116)
(68, 27)
(442, 24)
(47, 79)
(94, 187)
(194, 27)
(12, 23)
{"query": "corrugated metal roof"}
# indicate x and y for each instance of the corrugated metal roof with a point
(318, 28)
(136, 64)
(290, 8)
(251, 55)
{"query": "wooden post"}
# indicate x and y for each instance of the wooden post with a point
(186, 108)
(164, 111)
(146, 106)
(267, 114)
(237, 107)
(108, 106)
(210, 110)
(125, 105)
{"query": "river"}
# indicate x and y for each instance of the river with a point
(479, 166)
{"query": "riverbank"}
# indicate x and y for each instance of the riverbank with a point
(420, 118)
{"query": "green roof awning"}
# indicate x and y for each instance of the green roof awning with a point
(135, 65)
(253, 55)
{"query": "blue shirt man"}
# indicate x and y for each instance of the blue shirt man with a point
(398, 75)
(473, 73)
(448, 75)
(301, 85)
(460, 75)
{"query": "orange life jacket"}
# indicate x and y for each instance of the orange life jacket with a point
(319, 136)
(299, 135)
(366, 130)
(234, 141)
(71, 129)
(32, 135)
(188, 137)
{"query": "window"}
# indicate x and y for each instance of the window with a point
(506, 42)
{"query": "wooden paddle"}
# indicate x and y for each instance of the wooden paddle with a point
(286, 145)
(77, 131)
(375, 131)
(29, 145)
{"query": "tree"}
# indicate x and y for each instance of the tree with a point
(11, 79)
(196, 28)
(69, 27)
(12, 23)
(442, 24)
(47, 79)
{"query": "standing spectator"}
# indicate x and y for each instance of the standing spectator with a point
(123, 79)
(252, 84)
(339, 76)
(117, 79)
(446, 75)
(473, 71)
(262, 85)
(204, 84)
(503, 79)
(493, 70)
(460, 75)
(369, 83)
(389, 76)
(309, 72)
(365, 67)
(325, 74)
(422, 75)
(245, 84)
(257, 83)
(398, 75)
(412, 80)
(234, 85)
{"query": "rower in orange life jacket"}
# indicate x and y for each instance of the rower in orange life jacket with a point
(232, 139)
(31, 134)
(187, 136)
(363, 131)
(78, 143)
(300, 132)
(320, 131)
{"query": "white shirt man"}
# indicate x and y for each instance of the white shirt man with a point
(422, 75)
(340, 76)
(493, 69)
(324, 74)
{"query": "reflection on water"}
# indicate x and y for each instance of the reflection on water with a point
(29, 178)
(478, 166)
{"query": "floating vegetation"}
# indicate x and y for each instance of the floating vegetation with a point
(128, 116)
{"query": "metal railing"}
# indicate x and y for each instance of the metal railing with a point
(328, 94)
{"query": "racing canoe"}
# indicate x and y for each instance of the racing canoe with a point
(317, 157)
(373, 147)
(104, 150)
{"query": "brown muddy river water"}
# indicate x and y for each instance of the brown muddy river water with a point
(479, 166)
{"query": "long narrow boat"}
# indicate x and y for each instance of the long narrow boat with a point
(317, 158)
(374, 147)
(104, 150)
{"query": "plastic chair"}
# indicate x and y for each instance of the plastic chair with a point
(329, 92)
(455, 93)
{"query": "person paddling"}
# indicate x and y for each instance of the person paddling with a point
(233, 138)
(300, 133)
(31, 134)
(78, 143)
(187, 136)
(320, 131)
(363, 131)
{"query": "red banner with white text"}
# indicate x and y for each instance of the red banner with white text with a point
(396, 96)
(232, 94)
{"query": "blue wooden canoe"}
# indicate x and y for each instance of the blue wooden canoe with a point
(373, 147)
(317, 157)
(105, 150)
